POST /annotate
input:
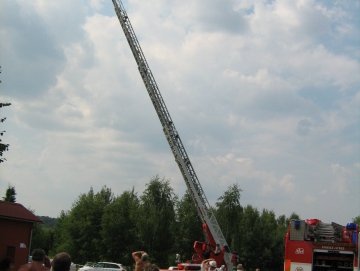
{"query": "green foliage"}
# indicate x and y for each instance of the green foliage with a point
(79, 231)
(3, 147)
(62, 238)
(292, 216)
(261, 239)
(85, 224)
(101, 227)
(188, 229)
(118, 226)
(267, 242)
(246, 235)
(42, 237)
(356, 220)
(10, 194)
(229, 213)
(49, 222)
(156, 219)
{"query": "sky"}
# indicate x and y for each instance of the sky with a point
(264, 94)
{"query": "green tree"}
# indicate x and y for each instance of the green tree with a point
(62, 240)
(102, 227)
(156, 220)
(228, 214)
(292, 216)
(282, 226)
(266, 251)
(118, 227)
(356, 220)
(3, 147)
(188, 228)
(282, 222)
(49, 222)
(81, 227)
(42, 237)
(247, 234)
(10, 194)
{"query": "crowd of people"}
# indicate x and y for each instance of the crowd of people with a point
(62, 262)
(211, 265)
(40, 262)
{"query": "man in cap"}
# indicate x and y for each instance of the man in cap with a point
(141, 261)
(209, 265)
(38, 255)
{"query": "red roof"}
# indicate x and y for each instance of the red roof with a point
(16, 211)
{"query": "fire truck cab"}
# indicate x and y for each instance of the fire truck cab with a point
(311, 245)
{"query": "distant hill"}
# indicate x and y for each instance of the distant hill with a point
(49, 222)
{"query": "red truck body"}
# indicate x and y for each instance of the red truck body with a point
(312, 245)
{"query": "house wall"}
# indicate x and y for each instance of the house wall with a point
(13, 233)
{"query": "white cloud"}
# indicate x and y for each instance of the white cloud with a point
(96, 4)
(263, 93)
(310, 199)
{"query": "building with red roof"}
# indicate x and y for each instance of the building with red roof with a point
(16, 224)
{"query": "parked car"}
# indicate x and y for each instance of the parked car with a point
(86, 266)
(103, 266)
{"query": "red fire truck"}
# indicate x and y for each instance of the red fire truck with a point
(311, 245)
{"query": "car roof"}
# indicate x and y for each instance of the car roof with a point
(109, 262)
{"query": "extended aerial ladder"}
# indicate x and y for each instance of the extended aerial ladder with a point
(210, 226)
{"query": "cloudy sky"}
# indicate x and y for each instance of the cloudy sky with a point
(264, 94)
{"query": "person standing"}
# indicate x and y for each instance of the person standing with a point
(61, 262)
(209, 265)
(141, 261)
(217, 250)
(38, 256)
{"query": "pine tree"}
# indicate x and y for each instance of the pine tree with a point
(10, 194)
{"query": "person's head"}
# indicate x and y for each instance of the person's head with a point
(61, 262)
(212, 265)
(144, 257)
(38, 255)
(218, 245)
